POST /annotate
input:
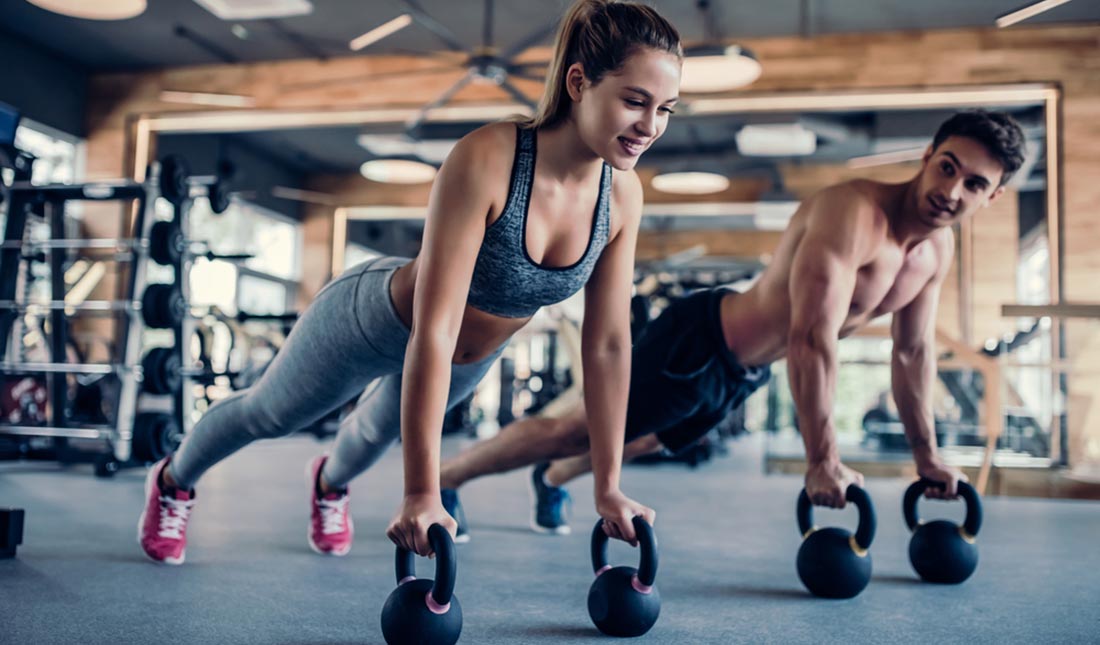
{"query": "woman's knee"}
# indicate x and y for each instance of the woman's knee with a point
(258, 420)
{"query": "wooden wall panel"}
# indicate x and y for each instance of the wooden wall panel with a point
(995, 251)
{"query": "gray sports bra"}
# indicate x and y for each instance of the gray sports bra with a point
(506, 281)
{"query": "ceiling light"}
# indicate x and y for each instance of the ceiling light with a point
(380, 32)
(775, 140)
(690, 183)
(887, 158)
(773, 215)
(99, 10)
(397, 171)
(207, 98)
(398, 145)
(716, 68)
(256, 9)
(1031, 10)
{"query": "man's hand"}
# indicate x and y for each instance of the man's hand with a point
(828, 481)
(936, 470)
(618, 511)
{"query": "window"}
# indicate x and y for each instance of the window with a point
(55, 153)
(265, 283)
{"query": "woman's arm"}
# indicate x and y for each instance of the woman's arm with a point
(458, 209)
(606, 346)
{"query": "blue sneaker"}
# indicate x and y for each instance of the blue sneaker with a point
(453, 506)
(552, 504)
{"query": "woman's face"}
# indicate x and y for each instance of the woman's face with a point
(623, 114)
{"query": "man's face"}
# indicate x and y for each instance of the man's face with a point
(957, 179)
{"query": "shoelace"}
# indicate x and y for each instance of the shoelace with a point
(173, 520)
(333, 512)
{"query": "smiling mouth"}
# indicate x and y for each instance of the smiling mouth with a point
(632, 146)
(939, 209)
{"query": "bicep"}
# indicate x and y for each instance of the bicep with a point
(608, 291)
(915, 323)
(453, 233)
(824, 269)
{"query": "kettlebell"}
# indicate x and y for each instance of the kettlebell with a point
(422, 611)
(942, 551)
(623, 601)
(832, 562)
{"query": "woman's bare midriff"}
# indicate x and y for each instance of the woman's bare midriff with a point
(481, 333)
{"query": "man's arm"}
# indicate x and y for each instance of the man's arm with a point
(841, 234)
(913, 373)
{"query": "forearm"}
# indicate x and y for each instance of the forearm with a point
(425, 384)
(812, 368)
(912, 375)
(607, 378)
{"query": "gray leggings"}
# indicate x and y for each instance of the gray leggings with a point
(349, 337)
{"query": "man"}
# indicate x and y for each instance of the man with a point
(851, 253)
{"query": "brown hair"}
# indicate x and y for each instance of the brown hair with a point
(997, 131)
(601, 35)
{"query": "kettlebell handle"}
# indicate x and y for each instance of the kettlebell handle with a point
(865, 531)
(973, 522)
(647, 540)
(445, 564)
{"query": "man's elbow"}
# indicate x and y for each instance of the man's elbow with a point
(910, 353)
(809, 341)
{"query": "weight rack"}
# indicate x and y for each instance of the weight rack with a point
(149, 434)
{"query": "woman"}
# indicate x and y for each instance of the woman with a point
(521, 215)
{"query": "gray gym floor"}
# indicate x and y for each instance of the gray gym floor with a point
(727, 533)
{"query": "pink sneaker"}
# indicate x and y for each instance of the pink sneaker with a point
(162, 529)
(330, 526)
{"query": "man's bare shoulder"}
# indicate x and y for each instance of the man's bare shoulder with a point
(853, 203)
(943, 241)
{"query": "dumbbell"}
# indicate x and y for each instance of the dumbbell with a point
(424, 611)
(942, 551)
(11, 531)
(167, 246)
(623, 601)
(155, 436)
(163, 371)
(161, 306)
(176, 183)
(832, 562)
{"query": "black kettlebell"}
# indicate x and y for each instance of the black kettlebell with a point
(422, 611)
(623, 601)
(832, 562)
(942, 551)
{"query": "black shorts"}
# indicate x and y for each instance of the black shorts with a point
(683, 379)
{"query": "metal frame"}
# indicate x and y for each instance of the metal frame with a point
(52, 200)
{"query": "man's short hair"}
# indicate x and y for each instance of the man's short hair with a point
(998, 132)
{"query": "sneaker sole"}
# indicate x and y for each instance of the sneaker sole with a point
(309, 529)
(141, 524)
(564, 529)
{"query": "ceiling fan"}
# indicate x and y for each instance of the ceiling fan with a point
(485, 62)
